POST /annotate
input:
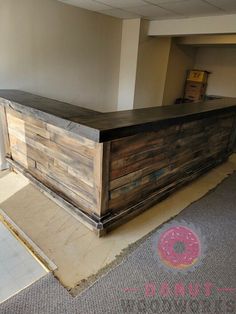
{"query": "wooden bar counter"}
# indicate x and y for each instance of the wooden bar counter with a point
(105, 168)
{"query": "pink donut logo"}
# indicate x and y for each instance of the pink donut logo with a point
(178, 247)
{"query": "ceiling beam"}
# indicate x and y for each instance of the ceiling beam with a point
(220, 24)
(207, 40)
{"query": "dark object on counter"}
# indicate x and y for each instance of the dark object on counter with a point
(195, 86)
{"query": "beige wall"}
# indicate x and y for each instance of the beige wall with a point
(151, 69)
(221, 61)
(128, 63)
(181, 59)
(60, 51)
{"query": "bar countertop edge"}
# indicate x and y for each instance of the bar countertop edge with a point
(102, 127)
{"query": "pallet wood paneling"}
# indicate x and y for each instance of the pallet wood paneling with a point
(67, 164)
(110, 182)
(141, 165)
(102, 176)
(3, 121)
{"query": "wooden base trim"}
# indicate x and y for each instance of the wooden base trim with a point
(4, 126)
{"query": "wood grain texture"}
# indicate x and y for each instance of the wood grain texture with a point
(142, 165)
(107, 183)
(81, 216)
(102, 176)
(3, 121)
(69, 165)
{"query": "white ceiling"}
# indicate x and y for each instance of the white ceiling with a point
(157, 9)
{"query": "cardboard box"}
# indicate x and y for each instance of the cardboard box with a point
(194, 91)
(194, 98)
(197, 76)
(195, 86)
(194, 95)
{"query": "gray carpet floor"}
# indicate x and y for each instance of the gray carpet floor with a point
(122, 289)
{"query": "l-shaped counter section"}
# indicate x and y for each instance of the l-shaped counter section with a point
(106, 168)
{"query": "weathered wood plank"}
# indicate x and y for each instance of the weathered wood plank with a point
(142, 172)
(83, 166)
(136, 166)
(138, 184)
(35, 122)
(68, 190)
(101, 177)
(158, 195)
(29, 151)
(72, 143)
(232, 141)
(81, 140)
(186, 151)
(64, 163)
(23, 160)
(52, 128)
(137, 191)
(135, 143)
(126, 161)
(26, 126)
(84, 191)
(57, 168)
(227, 122)
(48, 145)
(55, 182)
(58, 187)
(73, 175)
(3, 121)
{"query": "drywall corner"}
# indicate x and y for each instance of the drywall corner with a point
(128, 63)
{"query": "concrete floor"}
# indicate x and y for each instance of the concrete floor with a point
(76, 251)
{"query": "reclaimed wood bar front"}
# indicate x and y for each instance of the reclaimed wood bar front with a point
(105, 168)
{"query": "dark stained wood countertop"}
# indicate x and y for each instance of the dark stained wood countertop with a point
(103, 127)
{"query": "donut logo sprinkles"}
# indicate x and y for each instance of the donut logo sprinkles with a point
(178, 247)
